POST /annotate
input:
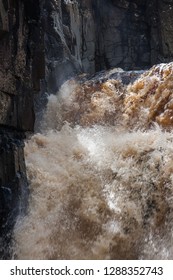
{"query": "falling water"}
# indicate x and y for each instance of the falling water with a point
(101, 172)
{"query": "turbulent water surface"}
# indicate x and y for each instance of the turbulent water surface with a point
(101, 172)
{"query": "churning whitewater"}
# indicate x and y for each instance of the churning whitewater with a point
(101, 172)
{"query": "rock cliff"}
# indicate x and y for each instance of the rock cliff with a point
(21, 68)
(43, 43)
(88, 36)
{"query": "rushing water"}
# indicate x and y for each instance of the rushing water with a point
(101, 172)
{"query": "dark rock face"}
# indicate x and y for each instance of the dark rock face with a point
(13, 185)
(21, 68)
(88, 36)
(62, 60)
(123, 35)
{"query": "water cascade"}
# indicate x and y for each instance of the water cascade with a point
(101, 171)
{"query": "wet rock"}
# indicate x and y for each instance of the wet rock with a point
(13, 185)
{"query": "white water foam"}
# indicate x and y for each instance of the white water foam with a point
(98, 191)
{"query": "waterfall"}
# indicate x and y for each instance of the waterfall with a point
(101, 172)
